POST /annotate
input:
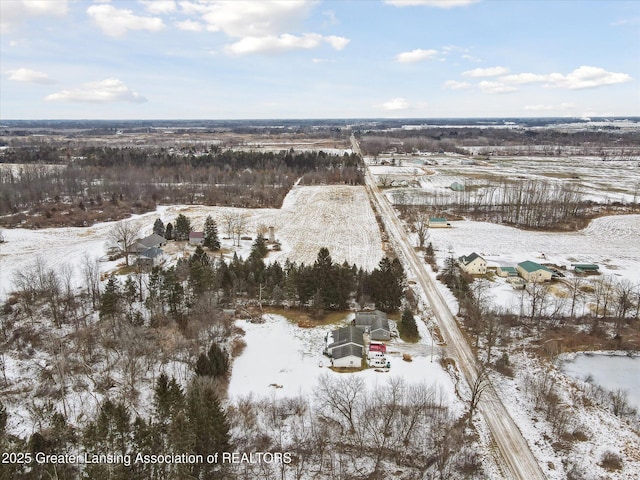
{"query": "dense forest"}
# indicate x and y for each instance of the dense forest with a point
(105, 182)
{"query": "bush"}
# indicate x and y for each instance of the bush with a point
(611, 461)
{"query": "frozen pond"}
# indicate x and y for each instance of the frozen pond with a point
(612, 372)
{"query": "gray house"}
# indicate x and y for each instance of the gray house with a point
(342, 337)
(151, 257)
(347, 356)
(375, 323)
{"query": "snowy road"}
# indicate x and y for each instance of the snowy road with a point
(515, 454)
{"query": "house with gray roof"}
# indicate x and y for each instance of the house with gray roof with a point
(347, 356)
(151, 257)
(375, 323)
(344, 336)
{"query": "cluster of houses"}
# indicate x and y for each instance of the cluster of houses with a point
(517, 275)
(362, 342)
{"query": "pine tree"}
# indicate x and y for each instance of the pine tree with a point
(211, 240)
(158, 227)
(110, 298)
(182, 228)
(168, 233)
(214, 364)
(409, 326)
(207, 423)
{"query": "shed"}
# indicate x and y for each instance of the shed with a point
(196, 238)
(534, 272)
(347, 356)
(438, 222)
(457, 187)
(375, 323)
(504, 271)
(473, 264)
(588, 268)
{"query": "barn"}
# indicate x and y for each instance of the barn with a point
(534, 272)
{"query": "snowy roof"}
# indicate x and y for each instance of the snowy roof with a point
(347, 350)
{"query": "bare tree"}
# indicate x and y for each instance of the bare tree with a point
(124, 236)
(91, 273)
(341, 397)
(478, 387)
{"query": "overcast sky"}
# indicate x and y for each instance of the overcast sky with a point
(197, 59)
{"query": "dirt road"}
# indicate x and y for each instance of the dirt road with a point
(514, 454)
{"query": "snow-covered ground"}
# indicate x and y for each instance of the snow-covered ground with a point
(286, 360)
(338, 217)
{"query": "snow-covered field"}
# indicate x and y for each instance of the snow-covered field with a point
(338, 217)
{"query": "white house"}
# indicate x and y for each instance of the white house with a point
(473, 264)
(347, 356)
(151, 257)
(375, 323)
(344, 336)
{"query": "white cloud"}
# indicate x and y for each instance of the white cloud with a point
(549, 108)
(283, 43)
(159, 7)
(496, 87)
(14, 12)
(395, 104)
(586, 77)
(431, 3)
(190, 26)
(105, 91)
(116, 22)
(416, 55)
(25, 75)
(471, 58)
(455, 85)
(524, 78)
(486, 72)
(259, 26)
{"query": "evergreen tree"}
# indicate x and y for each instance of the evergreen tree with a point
(211, 240)
(214, 364)
(259, 248)
(207, 423)
(182, 228)
(110, 298)
(409, 326)
(168, 233)
(158, 227)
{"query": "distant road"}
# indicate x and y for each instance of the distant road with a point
(515, 454)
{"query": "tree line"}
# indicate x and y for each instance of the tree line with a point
(97, 175)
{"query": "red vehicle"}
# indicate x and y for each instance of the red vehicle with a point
(377, 347)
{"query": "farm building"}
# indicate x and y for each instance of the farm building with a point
(473, 264)
(588, 268)
(196, 238)
(504, 271)
(375, 323)
(344, 336)
(438, 222)
(534, 272)
(347, 356)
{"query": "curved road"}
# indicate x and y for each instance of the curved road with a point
(515, 454)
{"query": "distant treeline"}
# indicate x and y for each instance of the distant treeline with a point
(210, 176)
(548, 141)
